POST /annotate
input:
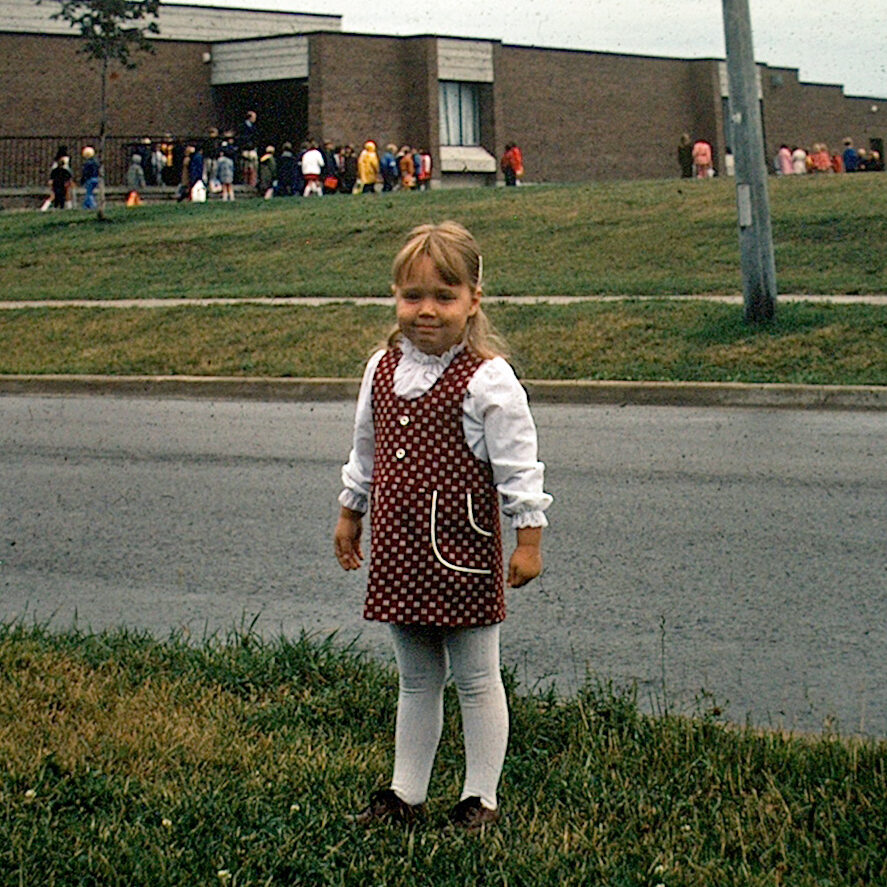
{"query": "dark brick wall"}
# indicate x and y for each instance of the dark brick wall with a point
(582, 115)
(576, 115)
(798, 113)
(363, 87)
(50, 87)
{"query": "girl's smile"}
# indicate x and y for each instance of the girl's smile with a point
(432, 313)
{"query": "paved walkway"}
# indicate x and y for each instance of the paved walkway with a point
(371, 300)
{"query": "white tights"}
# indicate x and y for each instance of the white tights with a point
(422, 653)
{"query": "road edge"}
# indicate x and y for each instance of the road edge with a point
(723, 394)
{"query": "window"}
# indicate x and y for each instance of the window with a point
(459, 113)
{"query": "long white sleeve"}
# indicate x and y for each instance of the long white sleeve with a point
(500, 430)
(357, 472)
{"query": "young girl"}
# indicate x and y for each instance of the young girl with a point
(442, 431)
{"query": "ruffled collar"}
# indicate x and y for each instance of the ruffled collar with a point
(417, 356)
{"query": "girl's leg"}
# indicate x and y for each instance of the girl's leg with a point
(474, 661)
(422, 664)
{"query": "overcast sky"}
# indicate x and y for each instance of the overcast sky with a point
(830, 42)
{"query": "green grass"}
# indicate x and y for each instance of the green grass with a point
(637, 340)
(124, 760)
(623, 238)
(627, 238)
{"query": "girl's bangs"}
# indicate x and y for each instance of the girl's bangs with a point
(449, 263)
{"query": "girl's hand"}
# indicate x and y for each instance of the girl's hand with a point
(346, 539)
(526, 561)
(525, 564)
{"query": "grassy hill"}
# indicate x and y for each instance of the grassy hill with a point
(622, 239)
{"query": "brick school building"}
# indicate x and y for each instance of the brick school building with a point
(577, 115)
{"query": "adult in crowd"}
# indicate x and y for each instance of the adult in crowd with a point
(286, 171)
(211, 145)
(225, 171)
(702, 159)
(822, 160)
(850, 156)
(349, 169)
(158, 164)
(331, 172)
(784, 161)
(512, 164)
(389, 168)
(312, 169)
(267, 173)
(89, 177)
(61, 179)
(685, 155)
(799, 161)
(146, 154)
(423, 174)
(407, 167)
(170, 172)
(135, 180)
(248, 145)
(368, 167)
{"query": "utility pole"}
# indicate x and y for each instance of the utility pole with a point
(753, 204)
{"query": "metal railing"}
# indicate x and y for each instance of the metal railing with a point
(25, 161)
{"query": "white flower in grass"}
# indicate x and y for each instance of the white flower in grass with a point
(30, 794)
(166, 823)
(224, 875)
(659, 870)
(294, 808)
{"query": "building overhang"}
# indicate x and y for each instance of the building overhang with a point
(461, 158)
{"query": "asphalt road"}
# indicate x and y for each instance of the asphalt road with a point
(735, 556)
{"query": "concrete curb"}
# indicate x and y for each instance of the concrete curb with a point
(722, 394)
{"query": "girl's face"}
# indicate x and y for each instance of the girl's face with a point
(431, 313)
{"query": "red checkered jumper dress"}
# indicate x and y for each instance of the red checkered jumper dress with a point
(436, 543)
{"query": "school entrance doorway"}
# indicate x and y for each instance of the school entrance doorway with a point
(281, 108)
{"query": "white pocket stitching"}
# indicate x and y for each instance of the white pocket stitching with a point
(471, 522)
(436, 550)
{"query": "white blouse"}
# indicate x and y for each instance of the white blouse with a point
(496, 419)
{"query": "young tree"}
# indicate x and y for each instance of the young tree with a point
(112, 30)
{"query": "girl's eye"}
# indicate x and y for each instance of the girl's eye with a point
(445, 296)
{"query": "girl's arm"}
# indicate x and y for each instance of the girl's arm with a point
(357, 472)
(500, 428)
(346, 539)
(356, 476)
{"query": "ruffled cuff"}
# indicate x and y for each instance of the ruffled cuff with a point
(354, 501)
(529, 519)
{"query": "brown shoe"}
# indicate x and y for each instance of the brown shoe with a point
(386, 806)
(471, 815)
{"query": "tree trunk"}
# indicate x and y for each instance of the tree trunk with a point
(102, 129)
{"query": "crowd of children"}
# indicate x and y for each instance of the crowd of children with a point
(201, 168)
(796, 160)
(311, 169)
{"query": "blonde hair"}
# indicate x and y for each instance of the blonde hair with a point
(456, 257)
